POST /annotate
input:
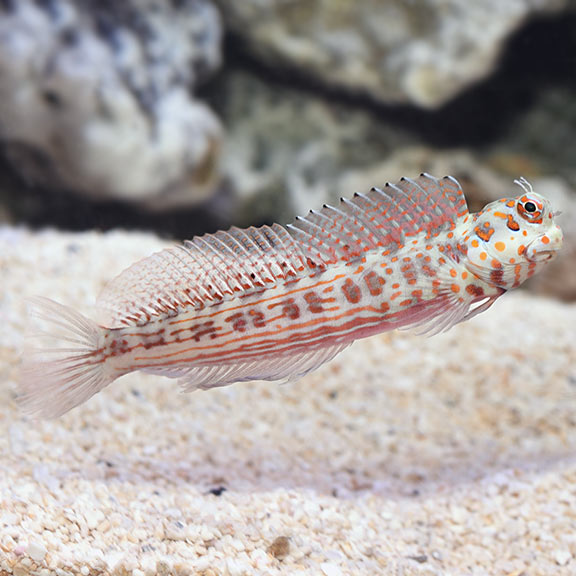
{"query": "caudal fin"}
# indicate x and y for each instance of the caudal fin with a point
(62, 366)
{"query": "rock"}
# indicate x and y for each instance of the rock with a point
(287, 151)
(423, 52)
(545, 134)
(36, 550)
(480, 183)
(94, 97)
(279, 548)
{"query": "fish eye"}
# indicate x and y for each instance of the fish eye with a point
(530, 209)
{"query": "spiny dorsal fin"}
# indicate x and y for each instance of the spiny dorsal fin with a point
(213, 267)
(382, 219)
(205, 269)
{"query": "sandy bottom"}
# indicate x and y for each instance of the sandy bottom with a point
(406, 455)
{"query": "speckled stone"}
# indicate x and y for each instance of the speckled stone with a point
(96, 97)
(423, 51)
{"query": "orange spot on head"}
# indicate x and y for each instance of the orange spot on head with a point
(464, 275)
(545, 239)
(521, 249)
(512, 224)
(455, 288)
(453, 273)
(486, 234)
(475, 243)
(500, 246)
(483, 255)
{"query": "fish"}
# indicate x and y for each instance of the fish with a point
(276, 302)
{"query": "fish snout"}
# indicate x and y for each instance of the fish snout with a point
(545, 247)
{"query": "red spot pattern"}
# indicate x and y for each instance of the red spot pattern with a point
(351, 291)
(374, 283)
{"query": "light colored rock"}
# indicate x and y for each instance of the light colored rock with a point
(543, 133)
(362, 464)
(420, 51)
(94, 98)
(36, 550)
(562, 557)
(286, 151)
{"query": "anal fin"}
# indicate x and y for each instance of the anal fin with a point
(269, 368)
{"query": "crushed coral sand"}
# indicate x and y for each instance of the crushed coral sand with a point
(451, 455)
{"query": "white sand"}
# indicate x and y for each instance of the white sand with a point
(407, 456)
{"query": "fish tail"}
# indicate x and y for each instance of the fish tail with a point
(64, 365)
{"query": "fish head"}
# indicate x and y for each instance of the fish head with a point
(513, 238)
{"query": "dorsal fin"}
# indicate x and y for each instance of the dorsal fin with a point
(383, 218)
(205, 269)
(213, 267)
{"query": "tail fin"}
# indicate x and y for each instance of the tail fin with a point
(62, 367)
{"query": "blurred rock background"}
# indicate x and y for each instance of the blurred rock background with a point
(184, 116)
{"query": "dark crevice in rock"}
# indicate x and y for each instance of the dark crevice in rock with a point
(539, 56)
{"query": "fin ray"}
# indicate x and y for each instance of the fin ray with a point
(383, 218)
(286, 367)
(59, 375)
(203, 270)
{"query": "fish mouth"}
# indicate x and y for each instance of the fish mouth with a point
(545, 247)
(542, 256)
